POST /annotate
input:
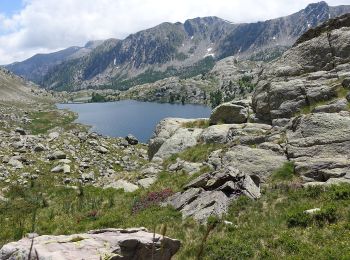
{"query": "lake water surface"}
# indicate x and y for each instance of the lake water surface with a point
(131, 117)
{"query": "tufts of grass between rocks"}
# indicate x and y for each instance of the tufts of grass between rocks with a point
(273, 227)
(43, 121)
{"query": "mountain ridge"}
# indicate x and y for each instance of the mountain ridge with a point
(163, 50)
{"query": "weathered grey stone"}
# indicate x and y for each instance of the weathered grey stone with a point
(66, 168)
(333, 107)
(39, 148)
(132, 140)
(182, 139)
(151, 169)
(229, 113)
(135, 243)
(164, 130)
(319, 145)
(208, 203)
(82, 136)
(21, 131)
(101, 149)
(122, 184)
(211, 193)
(57, 155)
(188, 167)
(88, 177)
(57, 169)
(53, 136)
(15, 163)
(215, 133)
(304, 75)
(146, 182)
(251, 161)
(179, 200)
(18, 145)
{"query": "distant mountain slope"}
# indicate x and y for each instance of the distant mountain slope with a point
(182, 49)
(36, 67)
(14, 88)
(248, 39)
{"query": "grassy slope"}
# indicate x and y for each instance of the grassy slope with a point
(271, 227)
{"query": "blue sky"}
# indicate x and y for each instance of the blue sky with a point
(9, 7)
(28, 27)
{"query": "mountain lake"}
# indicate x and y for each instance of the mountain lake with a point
(120, 118)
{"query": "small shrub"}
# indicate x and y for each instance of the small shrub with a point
(212, 222)
(288, 243)
(313, 191)
(199, 153)
(151, 199)
(97, 98)
(326, 215)
(286, 172)
(299, 219)
(228, 248)
(76, 239)
(202, 123)
(340, 192)
(92, 214)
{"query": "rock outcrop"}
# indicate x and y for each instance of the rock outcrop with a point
(305, 89)
(319, 144)
(126, 244)
(211, 193)
(171, 137)
(252, 161)
(310, 72)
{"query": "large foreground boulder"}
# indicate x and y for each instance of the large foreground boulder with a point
(128, 244)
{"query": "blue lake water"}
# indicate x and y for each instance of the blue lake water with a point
(131, 117)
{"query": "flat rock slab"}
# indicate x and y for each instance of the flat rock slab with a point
(251, 161)
(125, 244)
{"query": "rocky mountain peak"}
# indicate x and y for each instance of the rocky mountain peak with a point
(320, 6)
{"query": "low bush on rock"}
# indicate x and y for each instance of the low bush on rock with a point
(202, 123)
(197, 153)
(284, 173)
(151, 199)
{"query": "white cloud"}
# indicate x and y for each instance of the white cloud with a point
(48, 25)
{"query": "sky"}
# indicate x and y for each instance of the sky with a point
(28, 27)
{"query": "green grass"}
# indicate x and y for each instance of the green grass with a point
(202, 123)
(197, 153)
(46, 120)
(286, 172)
(341, 92)
(261, 228)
